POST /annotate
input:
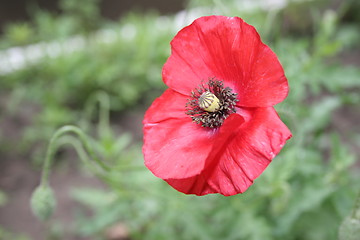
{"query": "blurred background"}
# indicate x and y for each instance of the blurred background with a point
(97, 65)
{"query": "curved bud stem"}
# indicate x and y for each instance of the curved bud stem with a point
(53, 146)
(77, 145)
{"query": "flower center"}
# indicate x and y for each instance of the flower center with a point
(211, 103)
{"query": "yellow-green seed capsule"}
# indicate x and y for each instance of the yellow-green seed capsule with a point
(209, 102)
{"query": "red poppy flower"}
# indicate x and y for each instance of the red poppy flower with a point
(215, 129)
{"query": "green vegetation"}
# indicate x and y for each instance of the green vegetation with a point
(304, 194)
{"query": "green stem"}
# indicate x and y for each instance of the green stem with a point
(53, 146)
(74, 142)
(269, 24)
(356, 211)
(104, 112)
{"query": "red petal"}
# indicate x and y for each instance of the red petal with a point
(242, 158)
(174, 146)
(170, 105)
(230, 50)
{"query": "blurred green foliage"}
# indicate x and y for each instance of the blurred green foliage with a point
(304, 194)
(4, 234)
(3, 198)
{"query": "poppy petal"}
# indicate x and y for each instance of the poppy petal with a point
(174, 146)
(228, 49)
(232, 169)
(170, 105)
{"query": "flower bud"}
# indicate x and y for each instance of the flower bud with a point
(43, 202)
